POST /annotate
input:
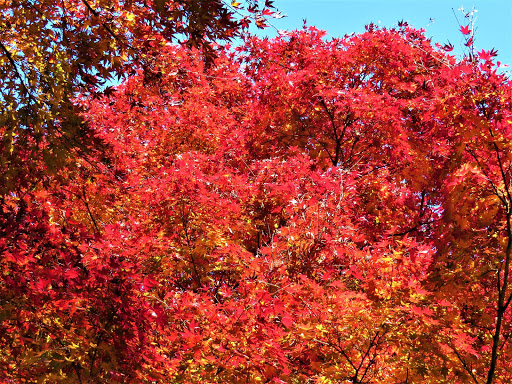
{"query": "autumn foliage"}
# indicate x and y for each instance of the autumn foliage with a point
(51, 50)
(305, 210)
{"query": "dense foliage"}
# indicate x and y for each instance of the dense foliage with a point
(302, 211)
(51, 50)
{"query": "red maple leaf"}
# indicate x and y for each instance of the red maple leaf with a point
(484, 55)
(469, 42)
(448, 47)
(465, 30)
(487, 55)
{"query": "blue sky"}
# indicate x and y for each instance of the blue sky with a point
(338, 17)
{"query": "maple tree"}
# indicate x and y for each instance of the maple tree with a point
(304, 210)
(52, 51)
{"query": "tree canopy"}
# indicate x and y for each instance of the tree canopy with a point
(53, 51)
(302, 211)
